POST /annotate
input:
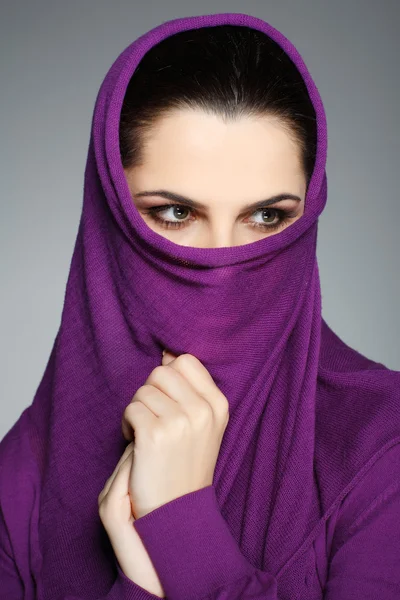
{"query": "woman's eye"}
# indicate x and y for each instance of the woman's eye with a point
(179, 212)
(267, 213)
(271, 218)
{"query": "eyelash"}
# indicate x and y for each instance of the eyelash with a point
(284, 217)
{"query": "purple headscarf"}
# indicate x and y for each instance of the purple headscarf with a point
(308, 414)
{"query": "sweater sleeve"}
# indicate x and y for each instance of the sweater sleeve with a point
(197, 558)
(18, 512)
(15, 586)
(195, 554)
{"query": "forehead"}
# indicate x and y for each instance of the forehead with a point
(202, 152)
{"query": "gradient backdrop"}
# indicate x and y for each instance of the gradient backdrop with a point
(54, 56)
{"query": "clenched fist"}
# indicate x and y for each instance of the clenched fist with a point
(179, 417)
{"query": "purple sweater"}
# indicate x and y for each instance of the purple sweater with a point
(355, 555)
(305, 499)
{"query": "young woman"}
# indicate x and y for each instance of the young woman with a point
(259, 457)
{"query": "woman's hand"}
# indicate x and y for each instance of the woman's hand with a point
(115, 512)
(179, 417)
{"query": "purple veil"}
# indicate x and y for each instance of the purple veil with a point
(308, 414)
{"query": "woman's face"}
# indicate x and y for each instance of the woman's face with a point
(215, 170)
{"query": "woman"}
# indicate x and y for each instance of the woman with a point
(263, 452)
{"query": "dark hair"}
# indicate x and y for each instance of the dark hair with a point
(228, 70)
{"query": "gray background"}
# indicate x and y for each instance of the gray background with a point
(54, 56)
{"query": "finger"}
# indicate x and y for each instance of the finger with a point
(139, 418)
(159, 403)
(119, 486)
(174, 386)
(201, 380)
(194, 377)
(130, 415)
(127, 452)
(194, 371)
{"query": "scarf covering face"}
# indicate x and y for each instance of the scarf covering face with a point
(308, 414)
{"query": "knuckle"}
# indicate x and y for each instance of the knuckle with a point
(184, 360)
(129, 419)
(205, 414)
(128, 413)
(142, 392)
(130, 408)
(180, 422)
(144, 389)
(155, 436)
(156, 374)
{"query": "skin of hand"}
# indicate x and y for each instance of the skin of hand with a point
(116, 505)
(115, 512)
(178, 419)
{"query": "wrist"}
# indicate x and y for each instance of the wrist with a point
(143, 575)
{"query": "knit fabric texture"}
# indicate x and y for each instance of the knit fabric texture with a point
(309, 415)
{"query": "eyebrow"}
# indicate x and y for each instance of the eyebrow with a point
(195, 204)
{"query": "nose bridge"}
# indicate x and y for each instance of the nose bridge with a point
(222, 230)
(222, 236)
